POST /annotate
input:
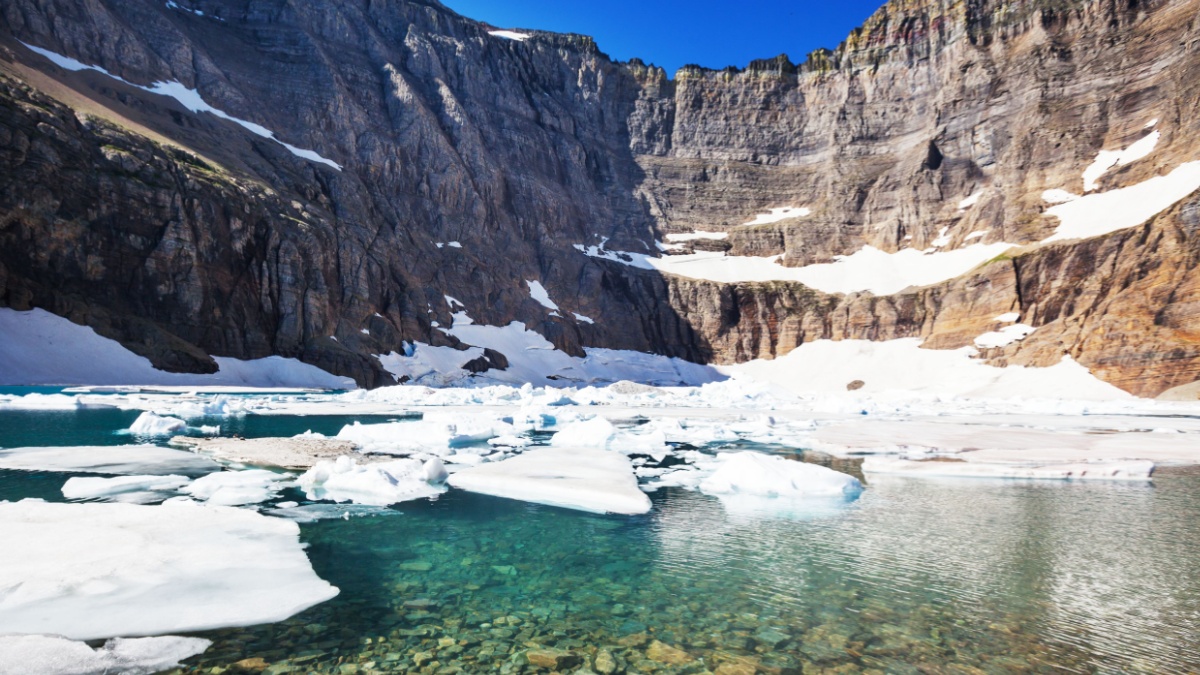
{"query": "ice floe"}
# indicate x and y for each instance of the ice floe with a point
(377, 484)
(128, 489)
(55, 655)
(438, 433)
(89, 571)
(311, 513)
(301, 452)
(1129, 470)
(599, 481)
(238, 488)
(112, 460)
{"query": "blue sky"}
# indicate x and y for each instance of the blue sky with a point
(671, 33)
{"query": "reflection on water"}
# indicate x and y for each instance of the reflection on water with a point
(962, 577)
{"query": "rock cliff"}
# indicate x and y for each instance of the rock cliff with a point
(405, 154)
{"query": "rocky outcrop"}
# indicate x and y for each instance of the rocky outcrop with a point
(471, 163)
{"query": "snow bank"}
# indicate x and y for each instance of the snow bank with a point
(378, 484)
(149, 424)
(188, 98)
(37, 347)
(868, 269)
(753, 473)
(89, 571)
(902, 367)
(238, 488)
(968, 469)
(599, 481)
(112, 460)
(54, 655)
(428, 365)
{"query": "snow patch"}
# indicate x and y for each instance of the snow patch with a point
(970, 201)
(1005, 336)
(188, 98)
(776, 215)
(1104, 212)
(581, 318)
(693, 236)
(1107, 159)
(539, 294)
(510, 35)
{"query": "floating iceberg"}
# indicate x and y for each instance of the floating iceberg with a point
(378, 484)
(753, 473)
(586, 479)
(149, 424)
(88, 571)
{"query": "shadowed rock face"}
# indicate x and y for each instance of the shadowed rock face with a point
(183, 235)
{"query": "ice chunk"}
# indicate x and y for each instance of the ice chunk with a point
(377, 484)
(238, 488)
(149, 424)
(586, 479)
(114, 460)
(753, 473)
(596, 432)
(54, 655)
(1129, 470)
(100, 488)
(89, 571)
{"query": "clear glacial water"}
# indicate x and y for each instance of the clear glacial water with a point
(914, 577)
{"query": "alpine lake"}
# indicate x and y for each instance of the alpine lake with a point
(915, 576)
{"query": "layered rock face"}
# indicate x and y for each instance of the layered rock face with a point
(471, 164)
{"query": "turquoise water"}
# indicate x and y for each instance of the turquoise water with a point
(914, 577)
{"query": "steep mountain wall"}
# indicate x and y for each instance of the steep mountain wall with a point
(472, 164)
